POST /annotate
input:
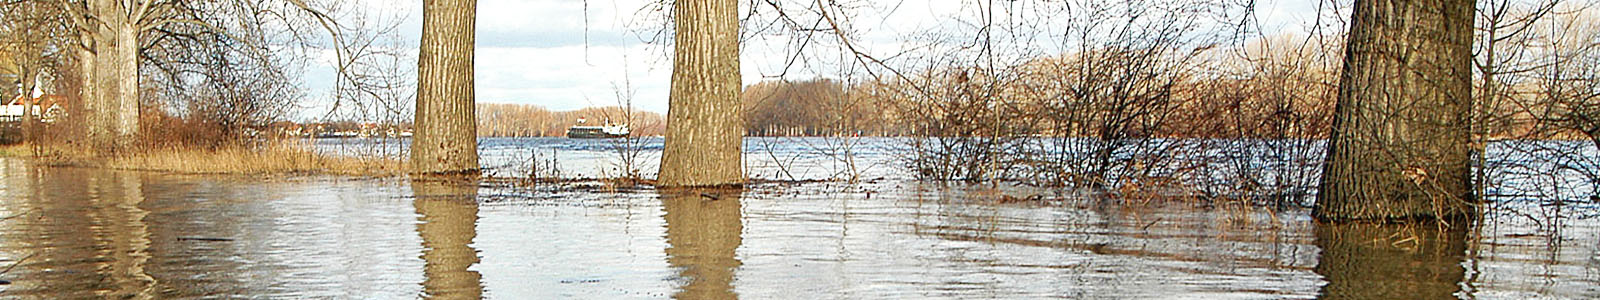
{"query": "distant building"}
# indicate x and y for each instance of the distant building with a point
(51, 104)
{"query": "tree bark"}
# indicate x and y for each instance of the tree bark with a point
(123, 98)
(105, 92)
(446, 125)
(88, 111)
(1399, 148)
(111, 76)
(704, 138)
(29, 81)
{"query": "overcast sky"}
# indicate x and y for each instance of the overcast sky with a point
(536, 51)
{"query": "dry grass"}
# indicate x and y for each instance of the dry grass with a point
(270, 158)
(16, 150)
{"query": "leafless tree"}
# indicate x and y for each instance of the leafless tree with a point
(631, 151)
(33, 33)
(1541, 129)
(228, 67)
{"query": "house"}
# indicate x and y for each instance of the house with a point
(12, 110)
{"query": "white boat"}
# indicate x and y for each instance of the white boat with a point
(595, 132)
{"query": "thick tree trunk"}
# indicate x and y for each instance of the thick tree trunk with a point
(1399, 148)
(704, 137)
(446, 125)
(111, 77)
(123, 98)
(29, 83)
(88, 113)
(103, 134)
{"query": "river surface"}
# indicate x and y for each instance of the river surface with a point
(1538, 171)
(92, 233)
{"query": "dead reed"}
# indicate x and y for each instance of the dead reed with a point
(277, 157)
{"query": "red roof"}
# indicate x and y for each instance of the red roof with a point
(44, 101)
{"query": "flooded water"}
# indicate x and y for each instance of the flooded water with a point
(90, 233)
(1516, 170)
(774, 158)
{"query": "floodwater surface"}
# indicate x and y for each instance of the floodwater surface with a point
(91, 233)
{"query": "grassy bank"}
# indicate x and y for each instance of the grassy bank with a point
(16, 150)
(269, 158)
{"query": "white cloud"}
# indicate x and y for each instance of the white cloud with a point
(570, 77)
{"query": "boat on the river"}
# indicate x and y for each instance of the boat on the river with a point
(608, 130)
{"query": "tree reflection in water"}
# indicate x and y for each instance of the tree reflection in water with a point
(1378, 261)
(121, 225)
(449, 214)
(702, 236)
(75, 233)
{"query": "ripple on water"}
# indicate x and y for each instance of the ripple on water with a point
(85, 233)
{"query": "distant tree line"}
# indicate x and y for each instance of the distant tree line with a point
(817, 107)
(523, 120)
(1276, 89)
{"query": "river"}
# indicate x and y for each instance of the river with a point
(92, 233)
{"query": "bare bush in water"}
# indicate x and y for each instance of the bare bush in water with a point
(1090, 112)
(1151, 104)
(631, 154)
(826, 118)
(1260, 120)
(1539, 102)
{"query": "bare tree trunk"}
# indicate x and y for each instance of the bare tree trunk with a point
(123, 98)
(111, 76)
(705, 134)
(29, 82)
(446, 139)
(88, 93)
(1399, 148)
(105, 90)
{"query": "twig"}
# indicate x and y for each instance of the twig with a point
(18, 263)
(17, 215)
